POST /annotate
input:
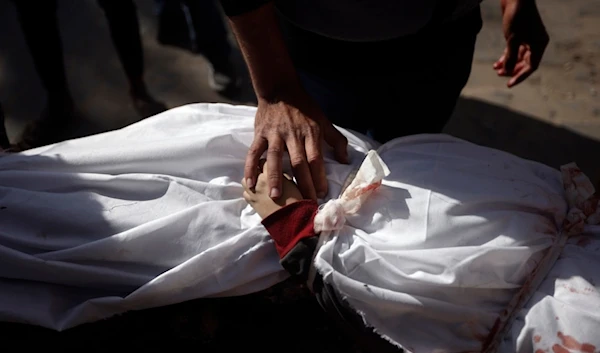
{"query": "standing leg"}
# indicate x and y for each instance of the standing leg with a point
(338, 92)
(40, 27)
(123, 23)
(4, 143)
(212, 41)
(39, 24)
(423, 89)
(210, 31)
(416, 79)
(125, 33)
(339, 100)
(173, 27)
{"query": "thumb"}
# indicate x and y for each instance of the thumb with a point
(512, 53)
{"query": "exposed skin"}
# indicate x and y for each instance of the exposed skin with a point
(287, 118)
(526, 40)
(258, 196)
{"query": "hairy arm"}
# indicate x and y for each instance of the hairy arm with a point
(287, 118)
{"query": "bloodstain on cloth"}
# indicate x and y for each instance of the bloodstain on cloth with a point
(571, 343)
(557, 348)
(568, 344)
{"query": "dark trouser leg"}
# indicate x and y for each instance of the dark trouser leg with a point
(210, 31)
(400, 87)
(40, 27)
(4, 143)
(125, 33)
(340, 101)
(421, 94)
(173, 28)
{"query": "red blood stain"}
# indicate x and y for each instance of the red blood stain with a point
(557, 348)
(537, 338)
(572, 343)
(588, 348)
(590, 205)
(571, 289)
(569, 341)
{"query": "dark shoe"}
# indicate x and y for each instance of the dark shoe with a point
(145, 105)
(224, 78)
(52, 127)
(41, 132)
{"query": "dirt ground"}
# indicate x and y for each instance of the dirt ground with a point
(554, 118)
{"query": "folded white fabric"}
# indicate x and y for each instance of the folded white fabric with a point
(439, 258)
(145, 216)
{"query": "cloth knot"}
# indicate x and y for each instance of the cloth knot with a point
(584, 204)
(331, 217)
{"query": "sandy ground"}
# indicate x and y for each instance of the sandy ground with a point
(554, 118)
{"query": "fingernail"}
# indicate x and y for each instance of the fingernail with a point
(250, 183)
(274, 193)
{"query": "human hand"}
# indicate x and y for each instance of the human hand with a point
(298, 125)
(258, 196)
(526, 40)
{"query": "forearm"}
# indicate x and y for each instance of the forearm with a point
(262, 45)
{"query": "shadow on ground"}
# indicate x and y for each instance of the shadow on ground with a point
(525, 136)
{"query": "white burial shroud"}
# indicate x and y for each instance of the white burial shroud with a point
(461, 247)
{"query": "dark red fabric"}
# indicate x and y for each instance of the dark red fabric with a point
(290, 224)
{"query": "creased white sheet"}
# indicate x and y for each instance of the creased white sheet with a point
(145, 216)
(152, 214)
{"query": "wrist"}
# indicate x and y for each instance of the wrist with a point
(286, 88)
(290, 224)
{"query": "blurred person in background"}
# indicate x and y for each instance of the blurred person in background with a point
(4, 142)
(124, 26)
(39, 23)
(199, 26)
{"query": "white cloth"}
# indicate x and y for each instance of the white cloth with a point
(145, 216)
(152, 214)
(436, 256)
